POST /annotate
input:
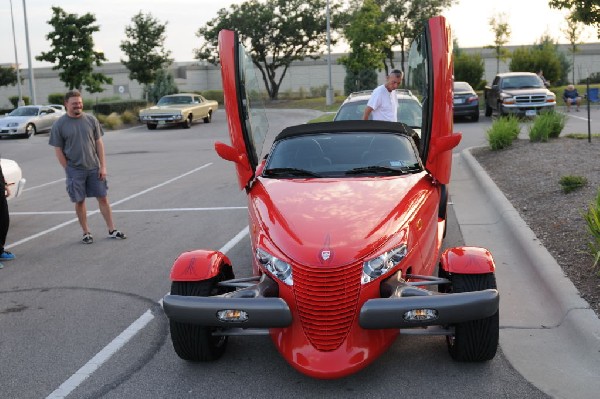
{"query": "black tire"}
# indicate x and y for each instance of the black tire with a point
(208, 118)
(187, 123)
(29, 131)
(192, 342)
(151, 126)
(488, 110)
(443, 207)
(475, 117)
(477, 340)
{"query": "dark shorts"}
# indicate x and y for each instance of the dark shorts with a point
(83, 183)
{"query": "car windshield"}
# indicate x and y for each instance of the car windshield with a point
(522, 82)
(175, 100)
(409, 112)
(24, 111)
(342, 154)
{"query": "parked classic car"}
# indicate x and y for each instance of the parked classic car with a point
(346, 222)
(28, 120)
(179, 109)
(14, 177)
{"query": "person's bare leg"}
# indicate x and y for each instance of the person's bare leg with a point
(81, 212)
(106, 212)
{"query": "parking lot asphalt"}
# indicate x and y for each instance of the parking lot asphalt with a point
(547, 331)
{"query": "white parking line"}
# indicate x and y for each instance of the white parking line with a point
(106, 353)
(44, 185)
(218, 208)
(68, 222)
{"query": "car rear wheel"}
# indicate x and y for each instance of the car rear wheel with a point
(151, 126)
(29, 130)
(192, 342)
(477, 340)
(208, 117)
(475, 117)
(187, 123)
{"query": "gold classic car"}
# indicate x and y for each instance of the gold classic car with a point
(180, 109)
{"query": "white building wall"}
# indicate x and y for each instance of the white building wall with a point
(301, 75)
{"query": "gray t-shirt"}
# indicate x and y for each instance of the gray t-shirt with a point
(77, 138)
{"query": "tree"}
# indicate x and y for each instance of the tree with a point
(164, 84)
(404, 20)
(145, 48)
(73, 51)
(274, 32)
(572, 32)
(469, 68)
(501, 31)
(8, 76)
(543, 55)
(585, 11)
(366, 36)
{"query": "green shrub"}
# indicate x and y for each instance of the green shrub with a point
(56, 98)
(572, 183)
(592, 218)
(547, 125)
(216, 95)
(129, 117)
(112, 121)
(502, 132)
(14, 100)
(118, 106)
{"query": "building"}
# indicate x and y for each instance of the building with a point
(301, 76)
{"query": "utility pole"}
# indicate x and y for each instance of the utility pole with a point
(31, 82)
(329, 94)
(20, 102)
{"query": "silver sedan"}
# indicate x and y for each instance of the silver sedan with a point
(28, 120)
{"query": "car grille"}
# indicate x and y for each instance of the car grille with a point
(327, 299)
(169, 117)
(531, 99)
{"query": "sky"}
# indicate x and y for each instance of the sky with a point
(469, 20)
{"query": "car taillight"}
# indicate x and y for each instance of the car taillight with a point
(472, 99)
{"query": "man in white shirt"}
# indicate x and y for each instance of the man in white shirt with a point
(383, 103)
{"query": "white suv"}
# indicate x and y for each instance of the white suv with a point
(409, 108)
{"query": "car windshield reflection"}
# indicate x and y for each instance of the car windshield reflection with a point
(342, 155)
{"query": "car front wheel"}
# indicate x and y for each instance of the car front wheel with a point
(192, 342)
(476, 340)
(29, 131)
(208, 117)
(187, 123)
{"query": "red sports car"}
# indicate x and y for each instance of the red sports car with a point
(346, 225)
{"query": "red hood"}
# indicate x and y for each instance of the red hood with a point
(351, 218)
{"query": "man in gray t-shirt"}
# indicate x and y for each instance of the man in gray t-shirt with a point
(77, 141)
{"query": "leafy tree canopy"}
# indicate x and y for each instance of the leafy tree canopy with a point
(586, 11)
(144, 48)
(73, 51)
(274, 32)
(163, 85)
(404, 20)
(8, 76)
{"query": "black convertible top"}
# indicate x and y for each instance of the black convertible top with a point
(345, 127)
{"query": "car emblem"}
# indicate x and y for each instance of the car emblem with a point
(325, 255)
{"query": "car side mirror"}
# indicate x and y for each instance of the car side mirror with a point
(443, 144)
(229, 153)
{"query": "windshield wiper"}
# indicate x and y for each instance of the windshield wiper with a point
(289, 172)
(383, 169)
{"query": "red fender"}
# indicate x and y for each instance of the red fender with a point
(467, 260)
(198, 265)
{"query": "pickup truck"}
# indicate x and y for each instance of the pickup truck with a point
(519, 93)
(179, 109)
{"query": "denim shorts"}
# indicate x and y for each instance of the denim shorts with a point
(82, 183)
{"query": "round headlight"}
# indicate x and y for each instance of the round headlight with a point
(279, 268)
(380, 265)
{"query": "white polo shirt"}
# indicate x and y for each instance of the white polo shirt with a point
(384, 104)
